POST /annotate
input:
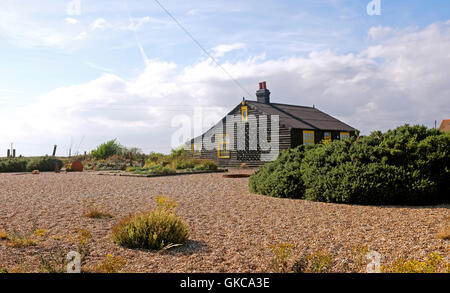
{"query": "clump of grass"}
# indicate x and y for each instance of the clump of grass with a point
(157, 229)
(40, 232)
(95, 213)
(317, 262)
(282, 253)
(111, 265)
(244, 166)
(434, 263)
(20, 241)
(83, 240)
(3, 270)
(54, 263)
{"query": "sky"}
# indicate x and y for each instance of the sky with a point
(78, 75)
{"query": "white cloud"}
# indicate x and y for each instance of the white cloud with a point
(99, 24)
(81, 36)
(70, 20)
(401, 79)
(221, 50)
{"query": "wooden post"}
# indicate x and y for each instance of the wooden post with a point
(14, 153)
(54, 150)
(8, 153)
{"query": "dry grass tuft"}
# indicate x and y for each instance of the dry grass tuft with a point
(16, 241)
(96, 213)
(111, 265)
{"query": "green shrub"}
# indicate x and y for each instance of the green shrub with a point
(106, 150)
(185, 164)
(206, 165)
(157, 229)
(44, 164)
(280, 178)
(13, 165)
(407, 165)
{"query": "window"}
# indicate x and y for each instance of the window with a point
(244, 113)
(345, 135)
(308, 137)
(195, 148)
(326, 137)
(222, 146)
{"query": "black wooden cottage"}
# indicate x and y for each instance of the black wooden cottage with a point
(230, 146)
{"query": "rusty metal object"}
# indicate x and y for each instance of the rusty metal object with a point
(77, 166)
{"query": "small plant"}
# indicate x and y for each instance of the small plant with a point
(3, 270)
(434, 263)
(157, 229)
(166, 204)
(20, 241)
(130, 169)
(55, 263)
(95, 213)
(83, 241)
(244, 166)
(317, 262)
(111, 265)
(35, 172)
(282, 253)
(40, 232)
(69, 167)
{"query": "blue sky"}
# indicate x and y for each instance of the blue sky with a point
(123, 69)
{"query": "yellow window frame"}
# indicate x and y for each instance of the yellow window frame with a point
(222, 146)
(344, 135)
(327, 139)
(309, 140)
(244, 113)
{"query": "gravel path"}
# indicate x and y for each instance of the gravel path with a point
(231, 229)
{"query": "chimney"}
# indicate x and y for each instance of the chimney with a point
(263, 94)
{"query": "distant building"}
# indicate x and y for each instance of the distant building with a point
(297, 125)
(445, 125)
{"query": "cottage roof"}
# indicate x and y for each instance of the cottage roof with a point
(302, 117)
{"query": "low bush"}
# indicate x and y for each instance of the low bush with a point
(157, 229)
(206, 165)
(408, 165)
(280, 178)
(13, 165)
(434, 263)
(106, 150)
(43, 164)
(111, 265)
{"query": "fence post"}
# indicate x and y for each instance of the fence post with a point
(54, 150)
(14, 153)
(8, 153)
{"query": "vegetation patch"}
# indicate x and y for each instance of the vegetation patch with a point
(409, 165)
(157, 229)
(434, 263)
(94, 212)
(111, 265)
(41, 164)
